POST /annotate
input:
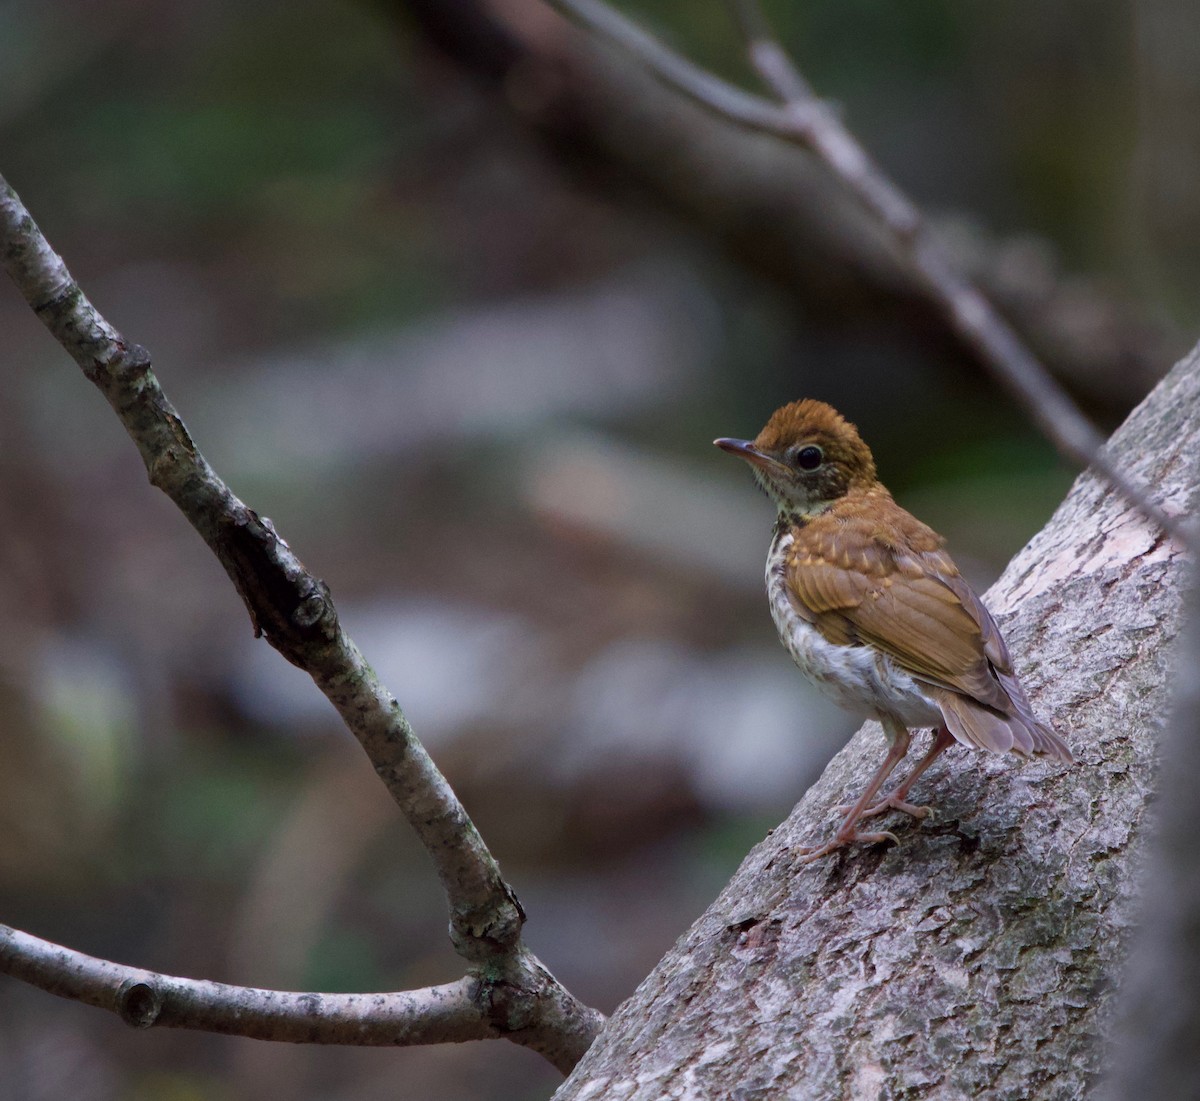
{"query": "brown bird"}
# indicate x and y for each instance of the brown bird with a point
(875, 612)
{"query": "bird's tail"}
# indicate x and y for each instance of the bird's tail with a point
(1014, 731)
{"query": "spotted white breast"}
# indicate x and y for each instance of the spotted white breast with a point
(859, 678)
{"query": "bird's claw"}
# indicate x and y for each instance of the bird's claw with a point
(809, 853)
(891, 802)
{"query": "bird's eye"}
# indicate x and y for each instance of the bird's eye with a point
(809, 458)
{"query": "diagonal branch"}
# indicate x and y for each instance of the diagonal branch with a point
(803, 120)
(770, 208)
(286, 603)
(295, 611)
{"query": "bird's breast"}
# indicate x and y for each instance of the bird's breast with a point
(860, 678)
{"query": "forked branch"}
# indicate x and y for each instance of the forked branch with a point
(294, 611)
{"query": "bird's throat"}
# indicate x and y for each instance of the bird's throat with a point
(787, 518)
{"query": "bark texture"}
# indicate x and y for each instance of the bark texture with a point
(977, 958)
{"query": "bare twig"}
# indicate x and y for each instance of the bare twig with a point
(472, 1008)
(768, 57)
(295, 611)
(804, 120)
(436, 1014)
(517, 1003)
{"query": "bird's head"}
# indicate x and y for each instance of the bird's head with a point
(806, 457)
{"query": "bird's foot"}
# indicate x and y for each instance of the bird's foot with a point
(889, 802)
(809, 853)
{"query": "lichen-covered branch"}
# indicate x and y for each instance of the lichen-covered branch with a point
(294, 611)
(978, 957)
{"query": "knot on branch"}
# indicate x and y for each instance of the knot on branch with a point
(507, 999)
(485, 933)
(117, 367)
(138, 1003)
(132, 364)
(520, 999)
(287, 604)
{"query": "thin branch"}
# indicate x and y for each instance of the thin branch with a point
(435, 1014)
(514, 1003)
(295, 611)
(768, 57)
(286, 603)
(771, 208)
(673, 69)
(805, 121)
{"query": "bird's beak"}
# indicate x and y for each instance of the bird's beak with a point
(745, 449)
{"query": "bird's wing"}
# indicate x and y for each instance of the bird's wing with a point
(908, 601)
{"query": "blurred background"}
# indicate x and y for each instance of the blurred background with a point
(460, 301)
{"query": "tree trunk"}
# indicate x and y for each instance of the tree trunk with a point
(978, 956)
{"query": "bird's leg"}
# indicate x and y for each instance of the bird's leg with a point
(847, 833)
(897, 799)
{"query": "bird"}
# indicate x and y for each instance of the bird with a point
(875, 613)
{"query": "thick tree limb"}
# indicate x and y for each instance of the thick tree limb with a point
(1158, 1035)
(295, 612)
(976, 958)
